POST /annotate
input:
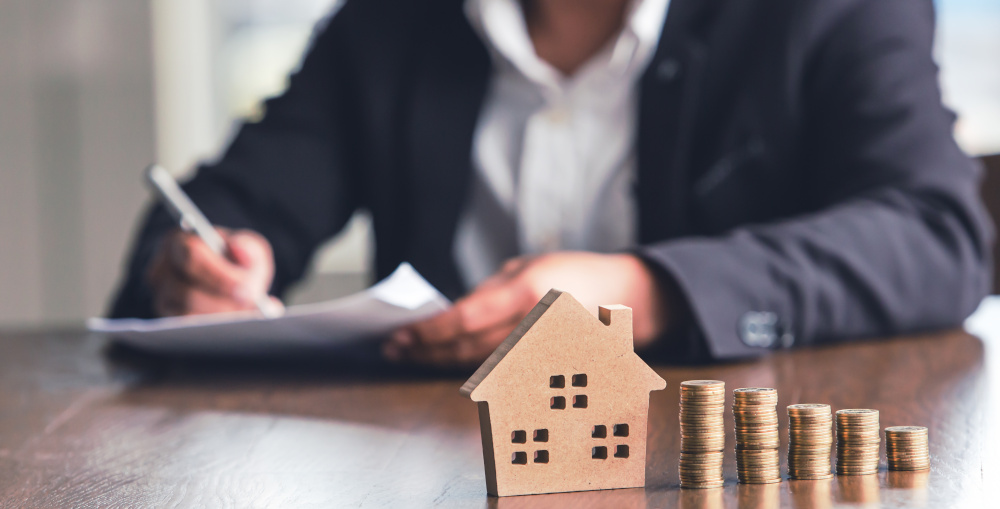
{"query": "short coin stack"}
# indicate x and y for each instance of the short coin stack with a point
(857, 442)
(906, 448)
(755, 410)
(810, 439)
(703, 433)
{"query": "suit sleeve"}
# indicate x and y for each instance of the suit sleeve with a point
(899, 242)
(286, 177)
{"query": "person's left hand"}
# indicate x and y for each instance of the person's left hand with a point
(469, 331)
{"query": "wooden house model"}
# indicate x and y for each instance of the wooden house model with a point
(563, 402)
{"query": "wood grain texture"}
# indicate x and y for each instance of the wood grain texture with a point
(990, 191)
(80, 428)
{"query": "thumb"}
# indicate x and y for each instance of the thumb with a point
(252, 252)
(248, 249)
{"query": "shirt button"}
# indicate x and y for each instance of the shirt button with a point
(759, 329)
(668, 69)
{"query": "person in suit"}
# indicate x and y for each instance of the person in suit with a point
(746, 175)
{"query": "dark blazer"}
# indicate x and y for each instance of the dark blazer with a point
(797, 176)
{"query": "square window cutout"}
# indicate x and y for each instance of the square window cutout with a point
(518, 437)
(541, 435)
(580, 401)
(557, 403)
(580, 380)
(519, 458)
(557, 381)
(599, 453)
(541, 456)
(621, 430)
(621, 451)
(600, 431)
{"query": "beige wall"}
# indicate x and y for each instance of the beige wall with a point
(76, 127)
(91, 91)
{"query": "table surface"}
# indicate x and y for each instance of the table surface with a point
(82, 424)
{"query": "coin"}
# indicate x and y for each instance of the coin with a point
(858, 441)
(703, 433)
(907, 448)
(810, 441)
(757, 440)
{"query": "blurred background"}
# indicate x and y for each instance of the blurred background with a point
(91, 91)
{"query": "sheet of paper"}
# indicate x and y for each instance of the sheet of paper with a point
(402, 298)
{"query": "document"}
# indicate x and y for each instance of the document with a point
(402, 298)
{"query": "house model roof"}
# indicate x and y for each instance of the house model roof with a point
(557, 323)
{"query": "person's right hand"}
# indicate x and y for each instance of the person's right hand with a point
(188, 278)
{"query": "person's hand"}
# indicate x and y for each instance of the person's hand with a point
(188, 278)
(469, 331)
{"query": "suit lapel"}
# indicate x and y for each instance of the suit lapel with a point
(449, 86)
(669, 100)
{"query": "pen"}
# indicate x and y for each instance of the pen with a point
(191, 219)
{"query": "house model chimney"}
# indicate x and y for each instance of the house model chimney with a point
(619, 319)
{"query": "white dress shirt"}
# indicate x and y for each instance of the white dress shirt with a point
(554, 156)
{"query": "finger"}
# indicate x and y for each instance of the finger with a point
(514, 265)
(160, 266)
(510, 269)
(177, 298)
(490, 307)
(469, 350)
(396, 345)
(195, 262)
(441, 328)
(167, 304)
(249, 249)
(277, 307)
(391, 351)
(481, 310)
(500, 278)
(476, 349)
(158, 270)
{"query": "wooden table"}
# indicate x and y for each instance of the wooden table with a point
(80, 427)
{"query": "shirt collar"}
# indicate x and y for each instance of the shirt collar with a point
(501, 26)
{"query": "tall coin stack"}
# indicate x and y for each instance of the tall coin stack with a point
(906, 448)
(810, 439)
(703, 433)
(755, 410)
(857, 442)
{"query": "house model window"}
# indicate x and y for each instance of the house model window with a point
(621, 451)
(599, 453)
(538, 407)
(621, 430)
(600, 431)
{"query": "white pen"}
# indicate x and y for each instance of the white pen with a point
(191, 219)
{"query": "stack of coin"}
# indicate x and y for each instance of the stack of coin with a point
(810, 439)
(857, 442)
(703, 433)
(755, 410)
(906, 448)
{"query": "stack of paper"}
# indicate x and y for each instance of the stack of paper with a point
(402, 298)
